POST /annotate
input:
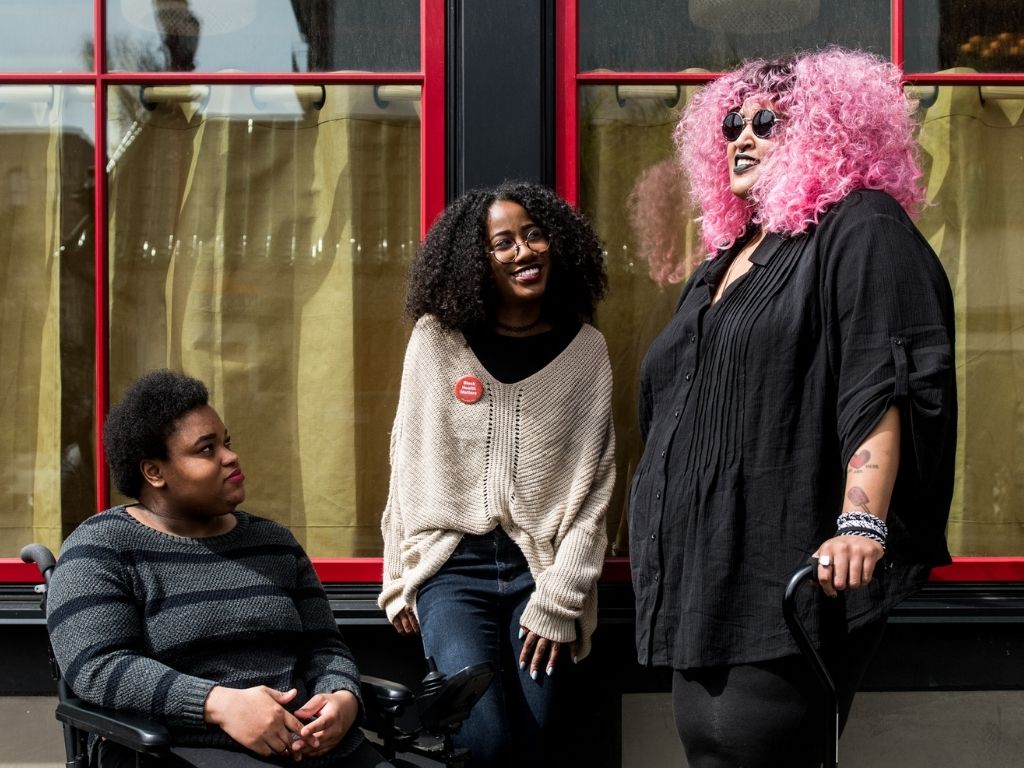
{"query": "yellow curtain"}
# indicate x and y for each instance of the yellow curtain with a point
(265, 253)
(625, 150)
(30, 359)
(973, 150)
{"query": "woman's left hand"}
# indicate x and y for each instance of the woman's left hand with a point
(540, 654)
(847, 562)
(332, 714)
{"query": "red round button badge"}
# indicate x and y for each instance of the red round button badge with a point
(469, 389)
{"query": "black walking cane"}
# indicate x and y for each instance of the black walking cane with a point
(808, 575)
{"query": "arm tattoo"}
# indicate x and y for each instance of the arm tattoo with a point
(857, 495)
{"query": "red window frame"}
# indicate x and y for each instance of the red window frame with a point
(431, 79)
(568, 79)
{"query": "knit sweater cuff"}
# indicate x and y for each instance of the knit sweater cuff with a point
(541, 622)
(191, 694)
(333, 683)
(391, 600)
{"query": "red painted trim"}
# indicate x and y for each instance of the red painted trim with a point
(611, 78)
(433, 144)
(368, 570)
(261, 78)
(566, 101)
(922, 78)
(99, 39)
(897, 33)
(214, 78)
(963, 78)
(48, 78)
(101, 316)
(359, 570)
(616, 569)
(981, 569)
(13, 571)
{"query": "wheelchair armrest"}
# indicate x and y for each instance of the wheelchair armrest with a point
(130, 730)
(388, 694)
(384, 702)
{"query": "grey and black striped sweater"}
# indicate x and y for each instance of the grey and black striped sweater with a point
(148, 622)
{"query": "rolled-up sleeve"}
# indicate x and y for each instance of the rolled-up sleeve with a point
(890, 322)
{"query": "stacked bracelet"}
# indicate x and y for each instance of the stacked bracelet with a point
(862, 524)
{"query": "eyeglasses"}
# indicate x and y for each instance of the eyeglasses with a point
(761, 123)
(506, 250)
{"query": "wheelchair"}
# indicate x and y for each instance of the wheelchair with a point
(404, 722)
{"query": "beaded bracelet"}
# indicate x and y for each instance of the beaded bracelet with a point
(862, 524)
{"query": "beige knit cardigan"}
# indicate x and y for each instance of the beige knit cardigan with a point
(536, 457)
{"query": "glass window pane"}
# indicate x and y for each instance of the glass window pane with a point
(263, 35)
(260, 239)
(972, 142)
(46, 311)
(672, 35)
(629, 188)
(46, 36)
(981, 35)
(972, 150)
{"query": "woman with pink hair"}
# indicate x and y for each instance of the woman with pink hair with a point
(800, 403)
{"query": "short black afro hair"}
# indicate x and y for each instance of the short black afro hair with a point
(451, 274)
(137, 428)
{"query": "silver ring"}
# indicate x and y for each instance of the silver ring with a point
(295, 736)
(825, 561)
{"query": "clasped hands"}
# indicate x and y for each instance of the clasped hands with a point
(847, 562)
(257, 719)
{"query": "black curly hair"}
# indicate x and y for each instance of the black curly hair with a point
(451, 275)
(137, 428)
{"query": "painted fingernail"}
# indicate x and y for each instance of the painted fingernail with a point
(550, 671)
(533, 675)
(522, 665)
(522, 633)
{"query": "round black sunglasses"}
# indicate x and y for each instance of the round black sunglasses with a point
(761, 124)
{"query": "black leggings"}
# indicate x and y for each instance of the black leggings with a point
(769, 714)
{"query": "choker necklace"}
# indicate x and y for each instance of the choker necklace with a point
(519, 328)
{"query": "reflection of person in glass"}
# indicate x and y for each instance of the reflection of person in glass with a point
(502, 458)
(800, 402)
(207, 619)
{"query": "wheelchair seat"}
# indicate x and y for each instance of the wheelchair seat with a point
(443, 705)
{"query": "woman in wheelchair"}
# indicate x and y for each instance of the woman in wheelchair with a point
(184, 609)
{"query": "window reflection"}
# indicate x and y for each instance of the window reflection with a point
(672, 35)
(46, 350)
(260, 239)
(262, 35)
(977, 35)
(51, 36)
(972, 143)
(630, 187)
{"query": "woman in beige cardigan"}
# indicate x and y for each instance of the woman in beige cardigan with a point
(502, 457)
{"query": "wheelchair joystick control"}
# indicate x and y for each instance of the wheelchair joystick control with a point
(434, 679)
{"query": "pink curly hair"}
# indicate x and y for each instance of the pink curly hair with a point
(654, 206)
(846, 125)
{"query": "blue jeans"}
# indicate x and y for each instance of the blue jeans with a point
(469, 612)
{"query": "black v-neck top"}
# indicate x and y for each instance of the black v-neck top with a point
(513, 358)
(751, 409)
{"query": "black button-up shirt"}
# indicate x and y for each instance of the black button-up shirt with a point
(751, 409)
